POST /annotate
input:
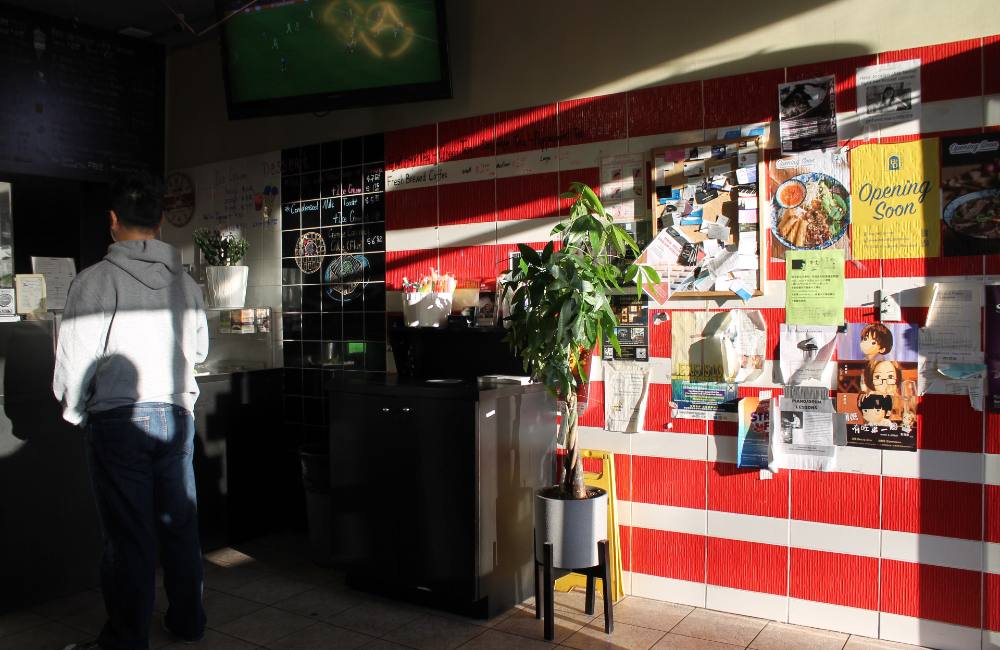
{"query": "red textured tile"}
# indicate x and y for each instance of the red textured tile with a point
(623, 477)
(527, 129)
(721, 428)
(773, 318)
(592, 119)
(593, 413)
(469, 137)
(929, 507)
(667, 554)
(732, 489)
(474, 262)
(949, 423)
(834, 578)
(588, 175)
(527, 197)
(410, 263)
(659, 334)
(991, 602)
(657, 408)
(742, 99)
(775, 269)
(914, 315)
(859, 314)
(471, 202)
(931, 592)
(843, 69)
(668, 481)
(665, 109)
(811, 498)
(416, 208)
(750, 566)
(992, 264)
(992, 494)
(991, 65)
(411, 147)
(992, 433)
(933, 266)
(947, 71)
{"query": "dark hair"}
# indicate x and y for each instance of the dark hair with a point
(875, 401)
(881, 334)
(137, 199)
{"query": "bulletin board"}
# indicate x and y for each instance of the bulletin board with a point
(708, 191)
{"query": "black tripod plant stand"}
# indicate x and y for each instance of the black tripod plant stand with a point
(545, 582)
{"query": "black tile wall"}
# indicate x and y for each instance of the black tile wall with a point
(334, 308)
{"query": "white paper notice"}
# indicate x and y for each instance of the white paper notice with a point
(889, 93)
(30, 291)
(803, 429)
(950, 343)
(622, 185)
(626, 386)
(59, 273)
(806, 352)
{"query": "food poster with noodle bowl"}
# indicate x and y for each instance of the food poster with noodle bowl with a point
(810, 202)
(896, 200)
(877, 385)
(970, 194)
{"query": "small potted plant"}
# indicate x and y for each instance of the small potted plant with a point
(225, 280)
(559, 309)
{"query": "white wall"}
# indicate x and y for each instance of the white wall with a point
(518, 53)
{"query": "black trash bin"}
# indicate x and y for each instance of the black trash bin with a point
(315, 458)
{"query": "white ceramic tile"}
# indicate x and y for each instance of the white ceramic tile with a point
(411, 239)
(526, 230)
(834, 539)
(991, 552)
(932, 634)
(598, 438)
(466, 234)
(858, 460)
(645, 143)
(525, 163)
(992, 462)
(673, 518)
(666, 444)
(581, 156)
(748, 603)
(851, 620)
(991, 640)
(410, 178)
(932, 549)
(938, 465)
(467, 170)
(748, 528)
(669, 589)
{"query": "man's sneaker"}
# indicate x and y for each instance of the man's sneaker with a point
(92, 645)
(183, 639)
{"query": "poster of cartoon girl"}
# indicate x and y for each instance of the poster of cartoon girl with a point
(877, 385)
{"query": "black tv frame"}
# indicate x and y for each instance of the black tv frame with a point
(356, 98)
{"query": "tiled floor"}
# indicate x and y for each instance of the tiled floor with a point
(267, 595)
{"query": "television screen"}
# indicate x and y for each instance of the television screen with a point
(297, 56)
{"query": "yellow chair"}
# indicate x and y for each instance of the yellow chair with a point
(605, 479)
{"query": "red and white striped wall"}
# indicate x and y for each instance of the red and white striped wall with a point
(897, 545)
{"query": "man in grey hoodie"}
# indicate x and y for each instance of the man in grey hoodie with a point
(133, 328)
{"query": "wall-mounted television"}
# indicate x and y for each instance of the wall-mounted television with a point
(300, 56)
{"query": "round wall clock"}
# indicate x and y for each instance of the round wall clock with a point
(178, 201)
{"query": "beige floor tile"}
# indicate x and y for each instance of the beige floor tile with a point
(43, 637)
(497, 640)
(645, 612)
(382, 644)
(90, 619)
(229, 557)
(14, 622)
(525, 624)
(433, 632)
(271, 589)
(321, 602)
(865, 643)
(321, 635)
(376, 617)
(678, 642)
(214, 641)
(720, 626)
(265, 625)
(625, 636)
(779, 636)
(221, 608)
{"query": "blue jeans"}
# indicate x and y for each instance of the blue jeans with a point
(140, 463)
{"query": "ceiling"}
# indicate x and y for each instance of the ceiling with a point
(153, 16)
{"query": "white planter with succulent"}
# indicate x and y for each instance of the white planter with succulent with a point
(225, 279)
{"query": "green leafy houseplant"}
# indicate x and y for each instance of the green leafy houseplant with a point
(560, 307)
(219, 249)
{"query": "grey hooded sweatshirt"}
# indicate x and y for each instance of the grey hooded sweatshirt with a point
(133, 328)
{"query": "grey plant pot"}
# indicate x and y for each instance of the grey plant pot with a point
(573, 526)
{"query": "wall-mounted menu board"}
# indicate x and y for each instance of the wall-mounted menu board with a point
(77, 102)
(705, 208)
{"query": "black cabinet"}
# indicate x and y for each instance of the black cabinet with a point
(433, 488)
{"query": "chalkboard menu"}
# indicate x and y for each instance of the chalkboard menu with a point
(77, 102)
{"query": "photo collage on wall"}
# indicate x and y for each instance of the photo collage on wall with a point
(333, 257)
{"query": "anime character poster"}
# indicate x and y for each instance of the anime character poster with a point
(877, 385)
